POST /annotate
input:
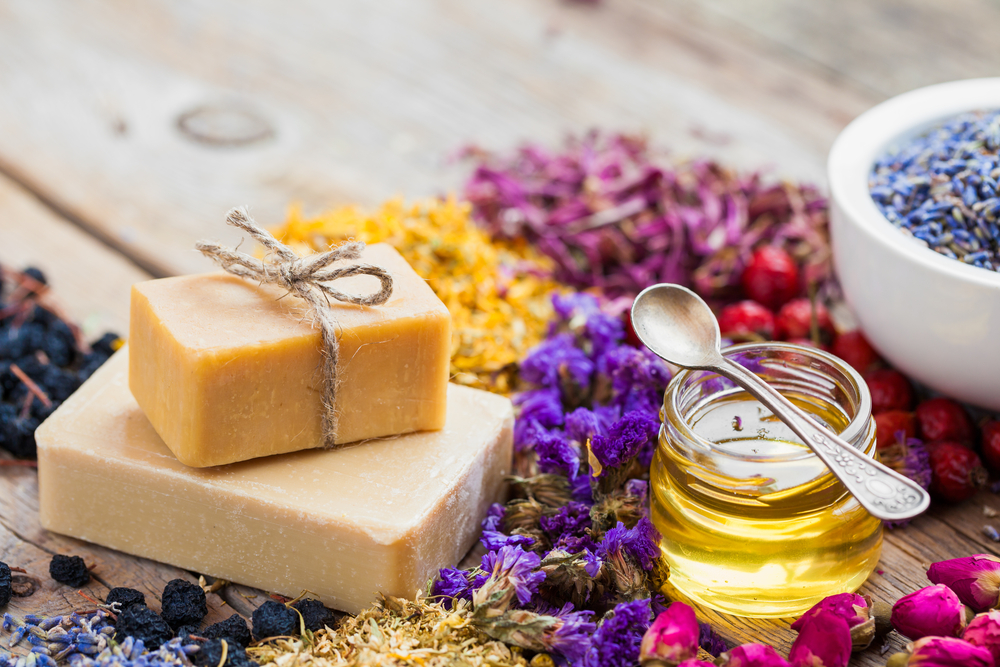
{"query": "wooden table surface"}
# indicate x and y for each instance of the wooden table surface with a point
(128, 129)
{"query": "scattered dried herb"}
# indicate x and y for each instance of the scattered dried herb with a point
(497, 293)
(615, 214)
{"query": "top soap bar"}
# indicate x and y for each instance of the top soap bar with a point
(228, 370)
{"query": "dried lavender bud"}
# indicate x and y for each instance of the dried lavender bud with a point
(6, 590)
(69, 570)
(314, 614)
(124, 598)
(183, 603)
(273, 619)
(210, 655)
(234, 630)
(142, 623)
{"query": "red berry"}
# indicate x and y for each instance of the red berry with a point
(771, 277)
(746, 319)
(794, 320)
(888, 424)
(991, 444)
(956, 471)
(944, 419)
(854, 348)
(631, 337)
(890, 390)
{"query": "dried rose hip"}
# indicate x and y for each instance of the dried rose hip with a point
(890, 390)
(771, 277)
(943, 419)
(794, 320)
(991, 444)
(746, 319)
(891, 422)
(956, 471)
(855, 349)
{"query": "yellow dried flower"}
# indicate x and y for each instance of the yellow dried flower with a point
(498, 295)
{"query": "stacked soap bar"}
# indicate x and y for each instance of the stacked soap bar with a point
(229, 370)
(346, 523)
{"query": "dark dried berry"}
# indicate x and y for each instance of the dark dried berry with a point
(956, 471)
(210, 655)
(273, 619)
(107, 344)
(6, 589)
(36, 275)
(125, 598)
(185, 632)
(183, 603)
(141, 622)
(69, 570)
(234, 630)
(314, 614)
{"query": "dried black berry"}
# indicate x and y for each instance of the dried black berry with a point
(36, 274)
(210, 655)
(183, 603)
(141, 622)
(314, 614)
(69, 570)
(273, 619)
(106, 344)
(5, 585)
(185, 632)
(234, 630)
(125, 597)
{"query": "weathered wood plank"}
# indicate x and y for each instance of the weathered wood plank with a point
(361, 101)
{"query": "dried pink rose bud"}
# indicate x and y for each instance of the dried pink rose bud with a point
(673, 636)
(694, 662)
(824, 641)
(854, 609)
(976, 579)
(941, 652)
(752, 655)
(934, 610)
(984, 631)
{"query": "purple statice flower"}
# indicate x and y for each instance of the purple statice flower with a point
(710, 640)
(635, 374)
(627, 438)
(555, 453)
(572, 633)
(453, 583)
(641, 542)
(575, 545)
(543, 406)
(514, 566)
(616, 641)
(581, 490)
(583, 424)
(570, 521)
(592, 563)
(638, 488)
(559, 354)
(571, 304)
(494, 540)
(494, 517)
(908, 457)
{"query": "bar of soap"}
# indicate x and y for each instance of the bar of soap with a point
(343, 523)
(229, 370)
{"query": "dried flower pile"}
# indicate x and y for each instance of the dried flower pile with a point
(612, 213)
(43, 358)
(497, 293)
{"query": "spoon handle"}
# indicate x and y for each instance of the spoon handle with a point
(883, 492)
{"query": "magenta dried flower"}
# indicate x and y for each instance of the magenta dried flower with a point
(931, 611)
(824, 641)
(694, 662)
(976, 579)
(851, 607)
(941, 652)
(673, 636)
(752, 655)
(984, 631)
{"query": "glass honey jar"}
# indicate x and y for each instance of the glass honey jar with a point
(752, 522)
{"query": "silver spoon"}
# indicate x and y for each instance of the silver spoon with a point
(678, 326)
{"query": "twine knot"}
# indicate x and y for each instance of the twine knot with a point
(307, 278)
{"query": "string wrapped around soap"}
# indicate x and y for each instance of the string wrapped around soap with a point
(304, 277)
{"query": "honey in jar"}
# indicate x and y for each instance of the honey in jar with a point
(753, 523)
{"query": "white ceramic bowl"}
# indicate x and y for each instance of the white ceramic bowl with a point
(934, 318)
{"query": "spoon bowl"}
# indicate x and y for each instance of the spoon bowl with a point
(671, 321)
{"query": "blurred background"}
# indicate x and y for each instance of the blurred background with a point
(127, 130)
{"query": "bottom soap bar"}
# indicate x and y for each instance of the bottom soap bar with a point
(382, 515)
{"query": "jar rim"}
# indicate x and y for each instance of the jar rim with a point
(856, 428)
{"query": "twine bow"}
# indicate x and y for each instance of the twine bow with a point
(304, 277)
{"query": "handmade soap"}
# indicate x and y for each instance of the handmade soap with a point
(343, 523)
(229, 370)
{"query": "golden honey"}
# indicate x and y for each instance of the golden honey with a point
(753, 523)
